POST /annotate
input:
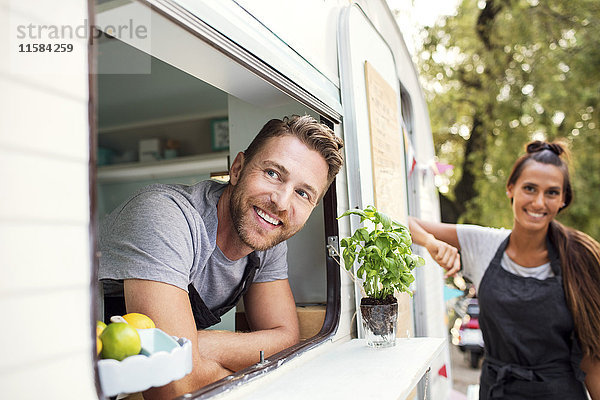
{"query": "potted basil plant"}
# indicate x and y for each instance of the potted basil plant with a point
(382, 250)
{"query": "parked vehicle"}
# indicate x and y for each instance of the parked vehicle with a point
(470, 338)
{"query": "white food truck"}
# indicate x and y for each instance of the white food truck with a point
(170, 91)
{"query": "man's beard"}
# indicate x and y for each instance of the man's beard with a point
(243, 222)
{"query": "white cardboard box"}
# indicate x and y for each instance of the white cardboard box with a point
(150, 150)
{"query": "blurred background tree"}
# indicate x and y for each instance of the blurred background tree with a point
(501, 73)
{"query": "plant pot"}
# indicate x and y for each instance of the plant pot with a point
(379, 322)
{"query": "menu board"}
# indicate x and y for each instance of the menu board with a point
(387, 152)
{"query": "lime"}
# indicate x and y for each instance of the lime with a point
(119, 341)
(139, 321)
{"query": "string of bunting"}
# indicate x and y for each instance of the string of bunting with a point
(436, 167)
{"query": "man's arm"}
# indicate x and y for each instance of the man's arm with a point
(170, 309)
(271, 314)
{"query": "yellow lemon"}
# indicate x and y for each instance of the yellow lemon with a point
(119, 341)
(99, 328)
(139, 321)
(98, 345)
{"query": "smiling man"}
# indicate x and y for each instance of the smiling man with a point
(185, 255)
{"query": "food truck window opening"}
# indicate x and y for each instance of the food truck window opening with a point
(296, 95)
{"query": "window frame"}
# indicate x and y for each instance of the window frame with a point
(329, 116)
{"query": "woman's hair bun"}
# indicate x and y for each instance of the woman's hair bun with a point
(538, 145)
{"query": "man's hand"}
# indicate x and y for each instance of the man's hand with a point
(444, 254)
(271, 314)
(170, 309)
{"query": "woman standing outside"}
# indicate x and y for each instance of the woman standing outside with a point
(538, 285)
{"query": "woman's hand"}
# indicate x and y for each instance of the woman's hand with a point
(444, 254)
(443, 250)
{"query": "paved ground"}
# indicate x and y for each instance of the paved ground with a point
(463, 375)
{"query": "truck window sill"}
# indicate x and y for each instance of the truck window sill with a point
(349, 370)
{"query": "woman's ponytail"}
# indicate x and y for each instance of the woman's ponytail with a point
(580, 262)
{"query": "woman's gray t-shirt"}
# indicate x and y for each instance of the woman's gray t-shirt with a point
(478, 246)
(167, 233)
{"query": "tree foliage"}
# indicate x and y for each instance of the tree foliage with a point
(501, 73)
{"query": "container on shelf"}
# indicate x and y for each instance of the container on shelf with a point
(163, 359)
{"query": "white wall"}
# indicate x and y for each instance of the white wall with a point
(45, 335)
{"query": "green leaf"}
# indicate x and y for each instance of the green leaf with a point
(410, 261)
(390, 263)
(373, 249)
(407, 279)
(364, 234)
(397, 237)
(384, 220)
(361, 271)
(420, 261)
(406, 238)
(345, 242)
(360, 234)
(383, 243)
(349, 257)
(353, 212)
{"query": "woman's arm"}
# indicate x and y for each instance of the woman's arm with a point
(440, 240)
(591, 367)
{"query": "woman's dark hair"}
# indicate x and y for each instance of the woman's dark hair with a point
(579, 253)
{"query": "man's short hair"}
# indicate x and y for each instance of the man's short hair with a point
(315, 135)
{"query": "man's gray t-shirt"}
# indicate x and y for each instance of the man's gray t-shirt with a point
(167, 233)
(478, 246)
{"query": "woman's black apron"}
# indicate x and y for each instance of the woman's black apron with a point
(531, 350)
(203, 316)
